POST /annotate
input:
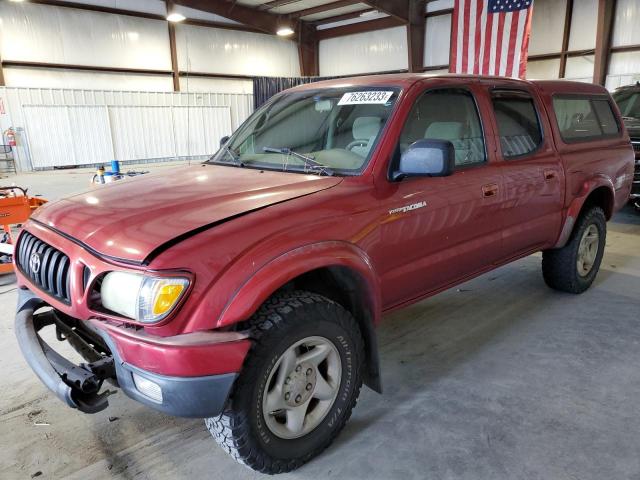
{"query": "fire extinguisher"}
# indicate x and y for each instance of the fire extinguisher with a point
(11, 137)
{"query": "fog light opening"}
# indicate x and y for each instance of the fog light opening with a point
(148, 388)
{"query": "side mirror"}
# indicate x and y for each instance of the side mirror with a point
(224, 140)
(427, 158)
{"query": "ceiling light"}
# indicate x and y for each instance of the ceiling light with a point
(16, 1)
(285, 31)
(175, 17)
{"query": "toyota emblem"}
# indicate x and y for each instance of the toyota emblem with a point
(34, 262)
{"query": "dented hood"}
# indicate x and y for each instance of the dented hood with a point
(131, 218)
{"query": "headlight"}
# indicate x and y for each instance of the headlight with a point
(142, 298)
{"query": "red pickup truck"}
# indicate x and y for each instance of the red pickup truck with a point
(246, 290)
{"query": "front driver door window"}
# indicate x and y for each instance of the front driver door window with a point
(456, 231)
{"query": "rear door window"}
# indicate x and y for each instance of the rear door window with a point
(584, 118)
(518, 124)
(606, 117)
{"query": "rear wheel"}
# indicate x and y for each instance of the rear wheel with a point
(574, 267)
(298, 385)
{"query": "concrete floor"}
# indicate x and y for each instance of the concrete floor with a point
(500, 378)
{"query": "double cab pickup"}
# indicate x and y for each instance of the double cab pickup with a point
(246, 289)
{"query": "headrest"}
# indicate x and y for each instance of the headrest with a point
(444, 131)
(366, 127)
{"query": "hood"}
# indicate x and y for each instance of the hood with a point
(131, 218)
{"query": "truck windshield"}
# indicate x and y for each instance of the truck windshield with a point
(628, 103)
(323, 131)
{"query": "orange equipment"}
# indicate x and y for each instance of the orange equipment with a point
(15, 208)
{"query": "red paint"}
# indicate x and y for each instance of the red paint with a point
(298, 223)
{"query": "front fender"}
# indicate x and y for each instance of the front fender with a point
(575, 207)
(284, 268)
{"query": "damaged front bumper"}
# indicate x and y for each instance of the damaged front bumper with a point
(80, 386)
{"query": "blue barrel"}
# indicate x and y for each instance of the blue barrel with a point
(115, 166)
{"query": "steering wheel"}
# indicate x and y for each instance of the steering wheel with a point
(357, 143)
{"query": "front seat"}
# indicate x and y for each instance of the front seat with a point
(454, 132)
(365, 131)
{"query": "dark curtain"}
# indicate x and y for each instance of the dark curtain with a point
(266, 87)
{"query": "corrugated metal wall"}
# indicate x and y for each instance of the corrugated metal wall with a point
(190, 116)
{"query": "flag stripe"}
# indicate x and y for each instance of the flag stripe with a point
(525, 43)
(483, 41)
(478, 34)
(465, 35)
(490, 37)
(511, 42)
(493, 49)
(453, 57)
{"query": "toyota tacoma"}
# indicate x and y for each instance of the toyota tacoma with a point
(246, 290)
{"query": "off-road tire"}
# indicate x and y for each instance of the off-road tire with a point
(559, 266)
(282, 320)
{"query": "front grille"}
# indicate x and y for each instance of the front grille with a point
(52, 275)
(636, 145)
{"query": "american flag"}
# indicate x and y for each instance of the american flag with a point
(490, 37)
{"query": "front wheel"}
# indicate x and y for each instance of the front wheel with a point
(298, 386)
(574, 267)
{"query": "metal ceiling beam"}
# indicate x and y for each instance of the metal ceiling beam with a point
(345, 16)
(398, 9)
(416, 30)
(324, 8)
(150, 16)
(360, 27)
(173, 49)
(308, 50)
(603, 40)
(276, 4)
(263, 21)
(2, 83)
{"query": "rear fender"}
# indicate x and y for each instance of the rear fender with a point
(575, 207)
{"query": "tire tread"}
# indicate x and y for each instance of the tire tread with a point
(232, 429)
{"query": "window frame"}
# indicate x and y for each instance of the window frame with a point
(590, 97)
(396, 157)
(525, 93)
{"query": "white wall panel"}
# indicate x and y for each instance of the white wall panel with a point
(192, 13)
(221, 51)
(437, 40)
(624, 69)
(199, 129)
(583, 24)
(433, 73)
(67, 135)
(142, 132)
(378, 51)
(435, 5)
(157, 7)
(238, 106)
(580, 68)
(543, 69)
(626, 22)
(43, 33)
(218, 85)
(55, 78)
(547, 26)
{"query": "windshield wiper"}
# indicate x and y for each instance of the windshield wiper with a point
(308, 160)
